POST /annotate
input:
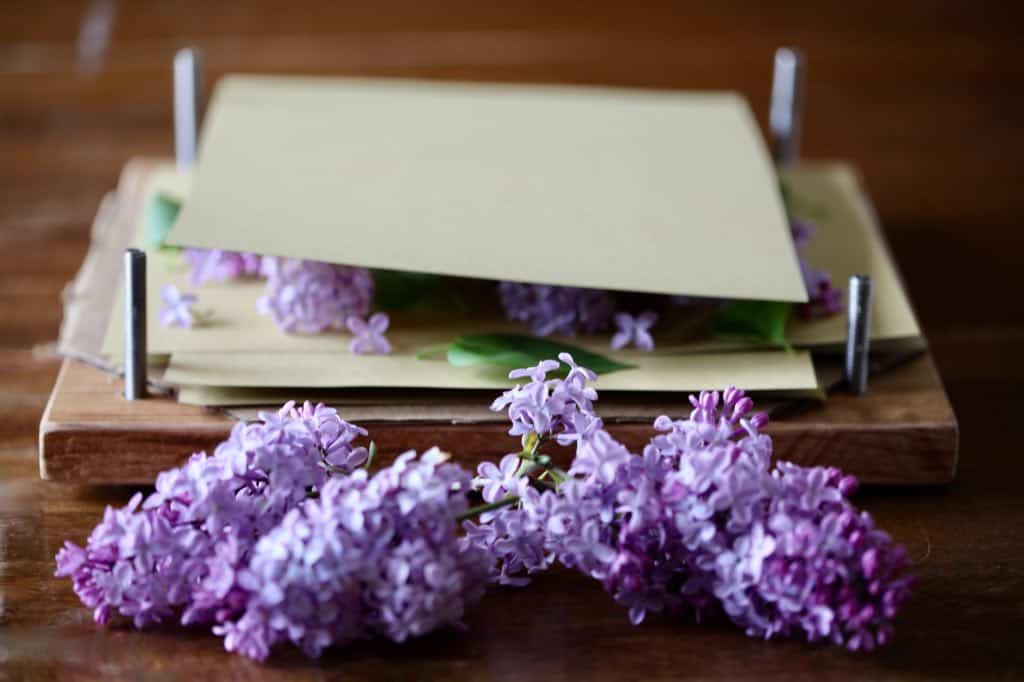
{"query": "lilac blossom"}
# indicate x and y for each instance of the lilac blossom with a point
(311, 297)
(170, 554)
(177, 309)
(702, 521)
(634, 330)
(372, 556)
(550, 310)
(217, 265)
(548, 406)
(368, 335)
(280, 537)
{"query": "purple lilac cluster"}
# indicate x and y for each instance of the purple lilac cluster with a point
(550, 310)
(823, 298)
(217, 265)
(372, 556)
(700, 521)
(175, 552)
(312, 297)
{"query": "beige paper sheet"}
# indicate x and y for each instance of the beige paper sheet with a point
(759, 371)
(648, 191)
(848, 242)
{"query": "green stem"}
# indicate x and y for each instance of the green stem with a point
(490, 506)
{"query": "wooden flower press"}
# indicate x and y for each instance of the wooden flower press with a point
(902, 430)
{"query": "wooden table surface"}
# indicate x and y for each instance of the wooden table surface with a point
(927, 98)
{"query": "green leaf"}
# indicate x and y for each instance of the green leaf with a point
(397, 290)
(511, 351)
(161, 212)
(756, 320)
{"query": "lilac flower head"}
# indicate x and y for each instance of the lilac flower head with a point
(545, 406)
(216, 265)
(312, 297)
(369, 334)
(550, 310)
(372, 556)
(177, 310)
(704, 521)
(634, 330)
(166, 556)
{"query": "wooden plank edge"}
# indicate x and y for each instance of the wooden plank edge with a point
(914, 454)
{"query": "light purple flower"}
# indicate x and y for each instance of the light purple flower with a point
(177, 310)
(547, 406)
(369, 334)
(372, 556)
(556, 310)
(499, 481)
(703, 521)
(216, 265)
(311, 297)
(166, 556)
(634, 330)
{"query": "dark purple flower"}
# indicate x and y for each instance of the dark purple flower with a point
(550, 310)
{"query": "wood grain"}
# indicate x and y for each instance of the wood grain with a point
(902, 432)
(927, 98)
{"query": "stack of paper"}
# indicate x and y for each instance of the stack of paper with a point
(635, 191)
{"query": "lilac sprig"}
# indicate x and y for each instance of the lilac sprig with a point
(373, 556)
(702, 521)
(169, 555)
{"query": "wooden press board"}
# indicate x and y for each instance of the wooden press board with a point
(902, 432)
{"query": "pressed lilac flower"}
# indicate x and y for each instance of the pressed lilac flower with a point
(369, 334)
(216, 265)
(312, 297)
(177, 310)
(823, 298)
(634, 330)
(550, 310)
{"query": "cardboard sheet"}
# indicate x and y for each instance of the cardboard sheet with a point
(433, 404)
(647, 191)
(758, 371)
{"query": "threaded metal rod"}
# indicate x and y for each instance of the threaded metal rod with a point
(786, 117)
(188, 89)
(134, 324)
(858, 334)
